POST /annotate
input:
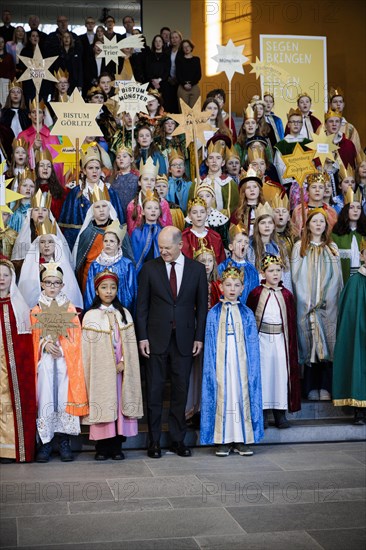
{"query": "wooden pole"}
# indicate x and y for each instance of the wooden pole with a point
(77, 157)
(198, 179)
(37, 119)
(230, 107)
(302, 205)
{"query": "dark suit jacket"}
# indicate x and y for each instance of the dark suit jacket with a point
(156, 309)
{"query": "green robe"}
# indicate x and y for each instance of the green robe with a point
(344, 244)
(349, 366)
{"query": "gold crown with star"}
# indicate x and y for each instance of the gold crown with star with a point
(99, 194)
(232, 272)
(52, 269)
(203, 249)
(196, 201)
(331, 114)
(352, 196)
(278, 202)
(269, 259)
(264, 210)
(41, 200)
(46, 228)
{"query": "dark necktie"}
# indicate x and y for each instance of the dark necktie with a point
(173, 280)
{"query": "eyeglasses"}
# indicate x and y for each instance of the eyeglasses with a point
(180, 165)
(56, 284)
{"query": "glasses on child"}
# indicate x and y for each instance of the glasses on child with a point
(56, 284)
(180, 165)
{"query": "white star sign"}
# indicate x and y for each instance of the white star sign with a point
(230, 59)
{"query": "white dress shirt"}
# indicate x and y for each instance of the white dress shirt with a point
(179, 266)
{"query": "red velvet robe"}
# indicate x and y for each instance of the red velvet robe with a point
(294, 390)
(190, 243)
(22, 380)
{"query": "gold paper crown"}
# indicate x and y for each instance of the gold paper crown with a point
(250, 174)
(363, 244)
(15, 84)
(334, 92)
(352, 196)
(154, 93)
(41, 200)
(203, 249)
(233, 272)
(43, 155)
(197, 201)
(249, 113)
(117, 229)
(94, 90)
(25, 175)
(361, 157)
(263, 210)
(61, 74)
(269, 259)
(277, 202)
(52, 269)
(344, 172)
(256, 152)
(237, 229)
(161, 178)
(150, 196)
(125, 149)
(256, 99)
(314, 211)
(206, 187)
(20, 142)
(303, 94)
(46, 228)
(99, 194)
(33, 105)
(92, 153)
(231, 152)
(148, 167)
(318, 177)
(331, 114)
(293, 112)
(218, 147)
(174, 155)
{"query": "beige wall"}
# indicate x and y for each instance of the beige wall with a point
(175, 14)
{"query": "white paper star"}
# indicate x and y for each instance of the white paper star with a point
(230, 59)
(37, 68)
(132, 98)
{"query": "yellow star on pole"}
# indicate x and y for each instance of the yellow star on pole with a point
(298, 164)
(230, 59)
(37, 68)
(192, 121)
(132, 98)
(6, 195)
(66, 154)
(261, 68)
(76, 119)
(54, 320)
(323, 146)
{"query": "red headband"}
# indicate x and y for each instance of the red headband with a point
(106, 274)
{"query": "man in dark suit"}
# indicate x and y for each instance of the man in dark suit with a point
(171, 315)
(7, 30)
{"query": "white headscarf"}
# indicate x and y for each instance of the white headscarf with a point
(23, 240)
(20, 307)
(29, 280)
(88, 218)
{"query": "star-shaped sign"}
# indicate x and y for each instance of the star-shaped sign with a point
(323, 146)
(66, 154)
(132, 98)
(37, 68)
(299, 164)
(230, 59)
(111, 49)
(192, 122)
(276, 72)
(54, 320)
(76, 119)
(6, 195)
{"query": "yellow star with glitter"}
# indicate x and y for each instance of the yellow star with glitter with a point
(54, 320)
(37, 68)
(192, 122)
(298, 164)
(6, 195)
(66, 153)
(230, 59)
(261, 68)
(132, 98)
(323, 146)
(76, 119)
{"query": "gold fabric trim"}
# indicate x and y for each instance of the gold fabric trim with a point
(350, 402)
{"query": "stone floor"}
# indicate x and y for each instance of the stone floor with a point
(298, 496)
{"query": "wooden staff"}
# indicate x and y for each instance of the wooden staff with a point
(37, 119)
(198, 179)
(77, 159)
(230, 106)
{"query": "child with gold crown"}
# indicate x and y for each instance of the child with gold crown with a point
(231, 405)
(61, 391)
